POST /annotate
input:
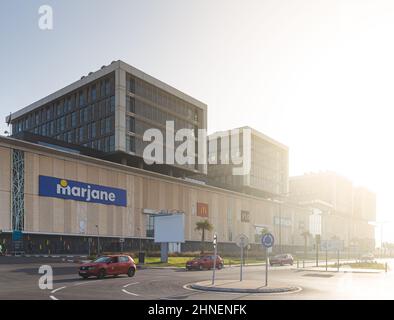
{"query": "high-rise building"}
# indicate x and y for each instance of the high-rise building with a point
(269, 162)
(106, 113)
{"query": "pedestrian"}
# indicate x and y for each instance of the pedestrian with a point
(1, 249)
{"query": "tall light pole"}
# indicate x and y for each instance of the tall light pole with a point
(98, 240)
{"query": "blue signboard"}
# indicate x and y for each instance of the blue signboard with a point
(267, 240)
(17, 235)
(78, 191)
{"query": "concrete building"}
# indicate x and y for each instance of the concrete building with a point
(269, 163)
(345, 210)
(106, 113)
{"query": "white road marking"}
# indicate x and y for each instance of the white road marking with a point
(130, 284)
(87, 282)
(58, 289)
(53, 298)
(130, 293)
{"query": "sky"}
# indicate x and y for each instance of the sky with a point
(316, 75)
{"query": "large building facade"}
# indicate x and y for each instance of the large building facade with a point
(346, 211)
(70, 224)
(268, 159)
(106, 114)
(74, 172)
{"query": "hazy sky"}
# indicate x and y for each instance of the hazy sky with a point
(316, 75)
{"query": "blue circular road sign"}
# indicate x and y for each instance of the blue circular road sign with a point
(267, 240)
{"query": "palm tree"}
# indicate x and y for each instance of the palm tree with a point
(203, 226)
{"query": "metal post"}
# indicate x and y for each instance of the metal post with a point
(303, 263)
(338, 260)
(266, 267)
(326, 258)
(280, 228)
(317, 254)
(242, 254)
(98, 240)
(215, 257)
(298, 264)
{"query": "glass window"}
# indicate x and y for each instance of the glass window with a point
(130, 104)
(130, 144)
(81, 99)
(130, 124)
(74, 119)
(93, 93)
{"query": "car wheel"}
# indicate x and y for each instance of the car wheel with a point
(220, 266)
(85, 277)
(200, 267)
(116, 275)
(101, 274)
(131, 272)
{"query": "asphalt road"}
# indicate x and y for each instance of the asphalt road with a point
(19, 280)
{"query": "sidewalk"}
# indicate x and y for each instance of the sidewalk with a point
(245, 286)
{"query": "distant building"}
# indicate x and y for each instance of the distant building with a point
(269, 166)
(345, 210)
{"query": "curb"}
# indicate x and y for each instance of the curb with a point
(240, 290)
(376, 271)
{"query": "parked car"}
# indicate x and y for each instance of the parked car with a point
(205, 262)
(108, 266)
(282, 259)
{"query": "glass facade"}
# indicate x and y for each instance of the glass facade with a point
(148, 107)
(85, 117)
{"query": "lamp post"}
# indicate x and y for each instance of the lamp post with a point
(381, 224)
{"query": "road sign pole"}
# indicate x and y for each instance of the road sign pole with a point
(326, 258)
(215, 257)
(242, 254)
(266, 267)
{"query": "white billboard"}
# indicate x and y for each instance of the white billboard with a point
(169, 228)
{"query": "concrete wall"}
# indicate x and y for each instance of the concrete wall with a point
(5, 188)
(145, 191)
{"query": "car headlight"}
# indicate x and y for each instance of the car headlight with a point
(91, 268)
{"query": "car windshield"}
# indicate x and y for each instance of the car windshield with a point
(102, 260)
(280, 257)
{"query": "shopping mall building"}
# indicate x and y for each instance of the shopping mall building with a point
(73, 173)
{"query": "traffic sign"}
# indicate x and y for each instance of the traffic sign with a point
(267, 240)
(242, 241)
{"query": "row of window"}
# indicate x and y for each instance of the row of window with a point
(71, 120)
(100, 92)
(162, 98)
(106, 144)
(77, 135)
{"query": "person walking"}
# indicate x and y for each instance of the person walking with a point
(1, 249)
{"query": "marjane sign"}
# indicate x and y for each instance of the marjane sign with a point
(78, 191)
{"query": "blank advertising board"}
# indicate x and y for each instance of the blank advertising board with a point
(169, 228)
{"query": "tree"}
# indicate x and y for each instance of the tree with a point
(203, 226)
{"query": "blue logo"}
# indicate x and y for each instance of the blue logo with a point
(267, 240)
(77, 191)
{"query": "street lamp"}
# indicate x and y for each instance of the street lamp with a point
(98, 240)
(381, 224)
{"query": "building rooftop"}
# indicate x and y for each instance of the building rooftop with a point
(92, 76)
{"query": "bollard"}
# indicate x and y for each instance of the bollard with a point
(298, 264)
(303, 263)
(385, 267)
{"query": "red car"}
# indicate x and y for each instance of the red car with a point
(282, 259)
(205, 262)
(108, 266)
